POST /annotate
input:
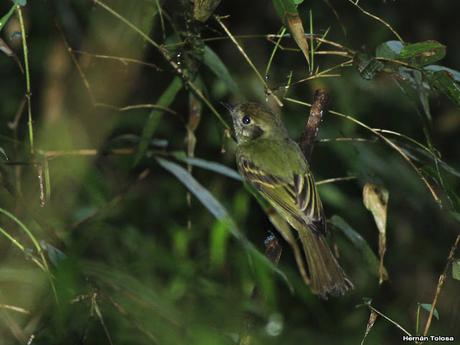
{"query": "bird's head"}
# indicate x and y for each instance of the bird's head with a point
(252, 121)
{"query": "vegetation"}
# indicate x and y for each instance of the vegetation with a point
(123, 220)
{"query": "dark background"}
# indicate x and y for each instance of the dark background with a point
(132, 261)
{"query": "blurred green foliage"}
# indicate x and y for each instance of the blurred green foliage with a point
(127, 224)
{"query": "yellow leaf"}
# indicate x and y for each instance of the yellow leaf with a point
(375, 199)
(295, 26)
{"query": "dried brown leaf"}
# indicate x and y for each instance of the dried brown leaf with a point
(375, 199)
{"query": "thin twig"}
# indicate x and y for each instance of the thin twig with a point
(26, 67)
(336, 179)
(136, 106)
(324, 72)
(121, 59)
(377, 19)
(390, 320)
(167, 57)
(87, 152)
(341, 139)
(272, 55)
(320, 101)
(14, 308)
(248, 60)
(386, 140)
(441, 280)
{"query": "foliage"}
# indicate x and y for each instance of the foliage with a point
(123, 220)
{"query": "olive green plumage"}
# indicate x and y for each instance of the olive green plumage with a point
(275, 166)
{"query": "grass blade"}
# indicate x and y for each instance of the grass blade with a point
(155, 116)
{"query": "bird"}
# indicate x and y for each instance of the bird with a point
(274, 164)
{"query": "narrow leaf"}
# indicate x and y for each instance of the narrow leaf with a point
(423, 53)
(218, 211)
(375, 199)
(452, 73)
(427, 307)
(218, 245)
(456, 269)
(5, 48)
(287, 10)
(359, 242)
(443, 82)
(203, 9)
(208, 165)
(215, 64)
(6, 17)
(155, 116)
(285, 230)
(370, 323)
(389, 50)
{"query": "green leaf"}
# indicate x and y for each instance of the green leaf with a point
(208, 165)
(456, 269)
(6, 17)
(453, 73)
(218, 245)
(359, 242)
(416, 89)
(456, 215)
(203, 9)
(389, 50)
(55, 255)
(3, 154)
(216, 65)
(155, 116)
(443, 82)
(427, 307)
(423, 53)
(218, 211)
(284, 7)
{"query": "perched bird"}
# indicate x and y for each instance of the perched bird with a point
(276, 167)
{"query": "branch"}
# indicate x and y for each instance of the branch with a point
(320, 102)
(442, 279)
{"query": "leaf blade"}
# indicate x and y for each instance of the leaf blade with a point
(155, 116)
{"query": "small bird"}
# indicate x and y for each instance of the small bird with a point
(274, 164)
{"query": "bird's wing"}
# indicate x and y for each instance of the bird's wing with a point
(297, 196)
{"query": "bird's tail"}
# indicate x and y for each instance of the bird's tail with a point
(326, 275)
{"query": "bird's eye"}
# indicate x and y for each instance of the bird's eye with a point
(246, 120)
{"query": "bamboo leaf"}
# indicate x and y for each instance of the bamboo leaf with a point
(208, 165)
(287, 11)
(203, 9)
(389, 50)
(455, 75)
(217, 245)
(427, 308)
(375, 199)
(359, 242)
(444, 82)
(218, 211)
(423, 53)
(6, 17)
(215, 64)
(155, 116)
(370, 323)
(456, 269)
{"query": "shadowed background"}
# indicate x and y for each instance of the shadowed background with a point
(113, 248)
